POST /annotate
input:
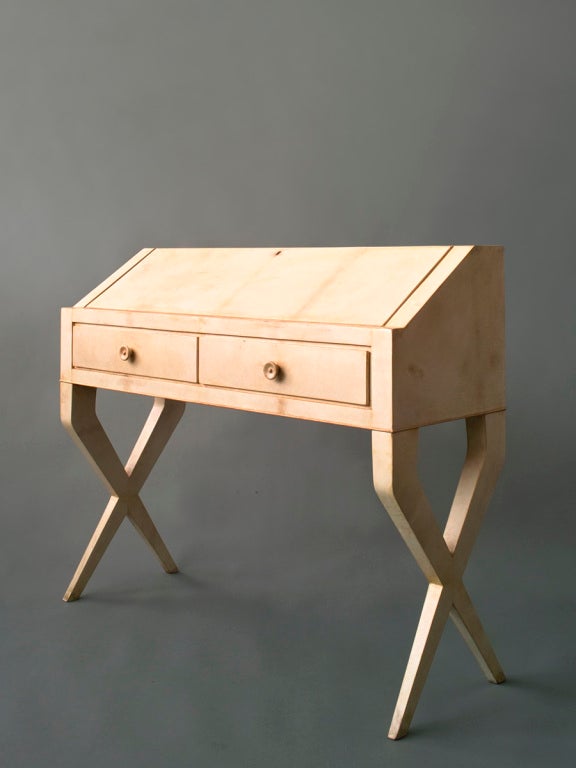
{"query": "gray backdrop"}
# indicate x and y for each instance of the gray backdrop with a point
(126, 124)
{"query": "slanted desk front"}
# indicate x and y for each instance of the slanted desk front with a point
(385, 339)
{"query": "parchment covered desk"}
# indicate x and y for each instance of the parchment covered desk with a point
(386, 339)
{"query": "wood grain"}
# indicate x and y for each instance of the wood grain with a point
(318, 371)
(386, 339)
(114, 277)
(156, 354)
(441, 557)
(257, 402)
(78, 414)
(362, 286)
(448, 362)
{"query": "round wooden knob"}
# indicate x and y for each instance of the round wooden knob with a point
(126, 353)
(271, 370)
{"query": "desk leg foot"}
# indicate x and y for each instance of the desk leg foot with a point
(468, 623)
(78, 413)
(441, 556)
(109, 523)
(430, 627)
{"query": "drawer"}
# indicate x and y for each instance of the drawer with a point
(135, 351)
(300, 369)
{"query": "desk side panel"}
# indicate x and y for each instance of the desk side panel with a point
(448, 362)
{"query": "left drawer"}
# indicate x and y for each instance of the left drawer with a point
(135, 351)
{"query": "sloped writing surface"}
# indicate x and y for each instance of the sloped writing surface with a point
(360, 286)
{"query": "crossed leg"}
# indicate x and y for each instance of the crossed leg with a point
(78, 414)
(441, 556)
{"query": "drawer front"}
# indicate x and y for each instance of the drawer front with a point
(136, 351)
(300, 369)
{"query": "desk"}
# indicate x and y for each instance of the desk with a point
(385, 339)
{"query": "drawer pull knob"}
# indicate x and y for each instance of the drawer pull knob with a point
(271, 370)
(126, 353)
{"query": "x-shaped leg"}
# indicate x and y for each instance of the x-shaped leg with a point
(442, 557)
(78, 414)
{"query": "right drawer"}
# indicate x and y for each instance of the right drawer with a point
(298, 369)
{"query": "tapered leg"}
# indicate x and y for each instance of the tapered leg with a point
(109, 523)
(78, 413)
(482, 466)
(441, 557)
(464, 616)
(430, 627)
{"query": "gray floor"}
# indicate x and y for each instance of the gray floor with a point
(283, 640)
(127, 124)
